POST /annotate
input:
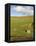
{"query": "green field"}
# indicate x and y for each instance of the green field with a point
(21, 27)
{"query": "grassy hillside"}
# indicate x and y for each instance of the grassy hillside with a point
(21, 27)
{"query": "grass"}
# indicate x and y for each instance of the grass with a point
(19, 27)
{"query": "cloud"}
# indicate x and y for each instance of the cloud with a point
(25, 9)
(35, 10)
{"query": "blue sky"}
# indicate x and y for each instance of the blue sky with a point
(21, 10)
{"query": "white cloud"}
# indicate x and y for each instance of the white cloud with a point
(18, 8)
(35, 10)
(24, 9)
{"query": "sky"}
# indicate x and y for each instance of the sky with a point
(35, 10)
(21, 10)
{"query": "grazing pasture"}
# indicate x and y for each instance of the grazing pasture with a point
(21, 27)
